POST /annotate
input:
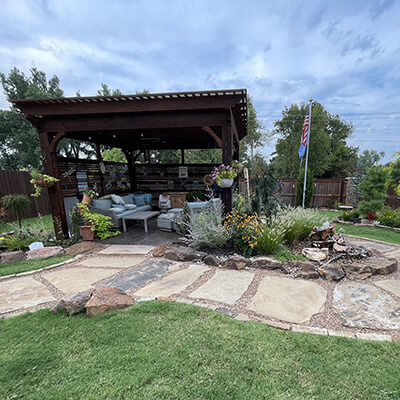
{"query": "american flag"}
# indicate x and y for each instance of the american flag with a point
(304, 133)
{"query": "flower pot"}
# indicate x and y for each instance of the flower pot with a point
(43, 184)
(86, 233)
(86, 199)
(225, 183)
(356, 220)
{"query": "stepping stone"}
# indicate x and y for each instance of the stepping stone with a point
(74, 280)
(126, 249)
(174, 283)
(390, 285)
(225, 287)
(140, 275)
(22, 293)
(288, 299)
(364, 306)
(113, 261)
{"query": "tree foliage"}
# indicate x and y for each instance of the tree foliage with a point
(114, 154)
(394, 172)
(329, 154)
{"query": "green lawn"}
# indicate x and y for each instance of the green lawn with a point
(45, 222)
(386, 235)
(30, 265)
(176, 351)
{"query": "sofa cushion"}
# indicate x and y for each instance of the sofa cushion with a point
(195, 205)
(104, 204)
(117, 210)
(128, 199)
(130, 206)
(117, 199)
(139, 199)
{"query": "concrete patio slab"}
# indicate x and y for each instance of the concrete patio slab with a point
(225, 287)
(74, 280)
(288, 299)
(126, 249)
(391, 286)
(22, 293)
(364, 306)
(174, 283)
(141, 274)
(113, 261)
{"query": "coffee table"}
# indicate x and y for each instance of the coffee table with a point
(140, 216)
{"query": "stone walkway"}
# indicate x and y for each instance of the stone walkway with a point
(367, 309)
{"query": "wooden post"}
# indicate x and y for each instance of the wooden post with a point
(100, 159)
(130, 158)
(227, 142)
(182, 156)
(49, 152)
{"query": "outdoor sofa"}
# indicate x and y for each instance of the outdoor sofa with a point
(104, 206)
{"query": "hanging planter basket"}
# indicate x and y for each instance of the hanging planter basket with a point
(41, 183)
(225, 183)
(86, 199)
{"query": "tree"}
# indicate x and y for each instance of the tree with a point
(373, 191)
(115, 154)
(309, 188)
(394, 172)
(255, 138)
(106, 91)
(329, 154)
(366, 160)
(16, 204)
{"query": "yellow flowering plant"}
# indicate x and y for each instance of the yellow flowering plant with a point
(244, 229)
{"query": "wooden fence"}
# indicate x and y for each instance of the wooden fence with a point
(18, 182)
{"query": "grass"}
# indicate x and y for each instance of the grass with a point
(30, 265)
(385, 235)
(284, 254)
(176, 351)
(44, 222)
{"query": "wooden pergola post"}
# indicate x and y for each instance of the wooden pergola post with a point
(100, 160)
(131, 160)
(227, 142)
(49, 152)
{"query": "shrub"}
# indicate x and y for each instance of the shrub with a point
(373, 190)
(196, 195)
(309, 188)
(244, 230)
(16, 204)
(390, 217)
(298, 222)
(271, 236)
(206, 229)
(350, 215)
(264, 201)
(182, 220)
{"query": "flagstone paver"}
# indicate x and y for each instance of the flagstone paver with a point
(22, 293)
(138, 276)
(174, 283)
(365, 306)
(126, 249)
(288, 299)
(392, 286)
(113, 261)
(72, 280)
(225, 286)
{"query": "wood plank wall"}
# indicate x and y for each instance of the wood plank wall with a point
(18, 182)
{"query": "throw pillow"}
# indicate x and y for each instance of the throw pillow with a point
(117, 199)
(130, 206)
(116, 210)
(139, 200)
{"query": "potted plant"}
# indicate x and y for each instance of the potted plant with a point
(89, 194)
(223, 176)
(40, 181)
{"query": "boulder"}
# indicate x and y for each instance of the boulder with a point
(106, 299)
(331, 272)
(357, 270)
(73, 304)
(83, 247)
(340, 248)
(211, 260)
(266, 263)
(11, 256)
(182, 253)
(305, 270)
(315, 254)
(236, 262)
(160, 250)
(381, 265)
(44, 252)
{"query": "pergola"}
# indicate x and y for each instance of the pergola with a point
(137, 124)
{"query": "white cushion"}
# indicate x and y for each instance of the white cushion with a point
(117, 199)
(130, 206)
(116, 210)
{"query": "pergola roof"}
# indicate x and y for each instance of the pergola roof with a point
(143, 121)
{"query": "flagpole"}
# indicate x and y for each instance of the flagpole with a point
(306, 165)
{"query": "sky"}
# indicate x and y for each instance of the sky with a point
(344, 54)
